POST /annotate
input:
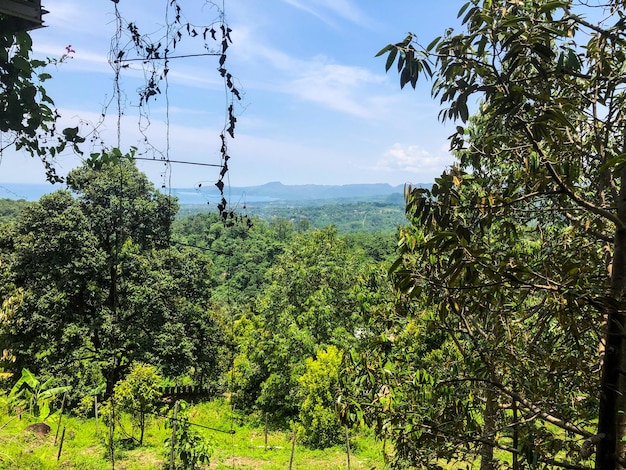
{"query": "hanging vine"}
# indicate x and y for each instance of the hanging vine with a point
(155, 52)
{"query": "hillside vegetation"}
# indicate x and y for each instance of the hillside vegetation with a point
(106, 282)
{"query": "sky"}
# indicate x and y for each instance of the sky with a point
(317, 106)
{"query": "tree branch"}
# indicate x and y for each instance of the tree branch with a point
(528, 405)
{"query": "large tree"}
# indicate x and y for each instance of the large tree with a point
(309, 303)
(93, 283)
(494, 315)
(548, 80)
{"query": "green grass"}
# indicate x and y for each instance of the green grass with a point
(84, 448)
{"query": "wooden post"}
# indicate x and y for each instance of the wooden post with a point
(515, 436)
(293, 449)
(56, 436)
(95, 410)
(173, 438)
(112, 434)
(348, 445)
(265, 430)
(61, 444)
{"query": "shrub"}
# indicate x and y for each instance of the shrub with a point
(138, 394)
(320, 426)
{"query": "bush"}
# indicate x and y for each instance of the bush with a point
(320, 426)
(139, 395)
(190, 449)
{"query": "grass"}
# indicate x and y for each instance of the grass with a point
(84, 448)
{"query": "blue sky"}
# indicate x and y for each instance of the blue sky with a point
(318, 107)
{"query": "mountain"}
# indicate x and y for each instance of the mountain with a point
(269, 192)
(280, 191)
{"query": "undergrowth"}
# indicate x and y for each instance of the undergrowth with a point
(235, 444)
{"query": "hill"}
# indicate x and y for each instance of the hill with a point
(269, 192)
(351, 208)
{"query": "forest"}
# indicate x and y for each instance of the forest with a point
(487, 330)
(102, 282)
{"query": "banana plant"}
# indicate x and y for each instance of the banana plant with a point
(30, 392)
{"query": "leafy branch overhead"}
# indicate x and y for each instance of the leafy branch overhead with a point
(527, 229)
(28, 116)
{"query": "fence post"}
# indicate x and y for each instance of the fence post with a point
(173, 438)
(348, 445)
(293, 449)
(56, 436)
(112, 434)
(61, 444)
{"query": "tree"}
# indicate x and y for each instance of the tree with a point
(92, 281)
(307, 305)
(550, 84)
(477, 331)
(319, 388)
(241, 252)
(138, 394)
(34, 395)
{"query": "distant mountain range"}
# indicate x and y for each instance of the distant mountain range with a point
(269, 192)
(280, 191)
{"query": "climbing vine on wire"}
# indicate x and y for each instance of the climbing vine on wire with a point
(154, 53)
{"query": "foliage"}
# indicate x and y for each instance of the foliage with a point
(93, 284)
(241, 253)
(28, 114)
(191, 449)
(367, 216)
(9, 209)
(312, 301)
(29, 393)
(138, 394)
(517, 240)
(319, 388)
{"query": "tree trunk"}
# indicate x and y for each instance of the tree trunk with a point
(611, 418)
(112, 375)
(489, 430)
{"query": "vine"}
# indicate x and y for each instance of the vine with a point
(155, 52)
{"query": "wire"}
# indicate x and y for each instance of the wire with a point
(184, 162)
(166, 57)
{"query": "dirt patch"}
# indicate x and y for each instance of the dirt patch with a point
(41, 429)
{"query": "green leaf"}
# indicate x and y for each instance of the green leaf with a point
(463, 8)
(21, 64)
(391, 58)
(433, 43)
(613, 162)
(385, 49)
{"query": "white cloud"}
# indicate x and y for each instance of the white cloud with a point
(336, 87)
(414, 159)
(326, 9)
(319, 79)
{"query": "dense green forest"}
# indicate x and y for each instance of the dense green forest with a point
(102, 278)
(487, 330)
(349, 216)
